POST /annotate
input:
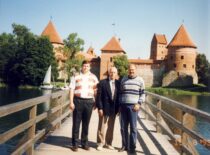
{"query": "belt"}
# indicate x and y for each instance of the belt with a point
(82, 98)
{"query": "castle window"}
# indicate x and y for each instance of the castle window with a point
(111, 59)
(184, 65)
(174, 65)
(193, 66)
(171, 57)
(182, 57)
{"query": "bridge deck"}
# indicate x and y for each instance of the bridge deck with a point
(149, 141)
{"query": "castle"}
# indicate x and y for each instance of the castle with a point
(178, 57)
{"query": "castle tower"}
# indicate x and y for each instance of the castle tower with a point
(182, 54)
(158, 49)
(111, 49)
(58, 45)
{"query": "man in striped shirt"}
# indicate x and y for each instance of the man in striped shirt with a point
(132, 96)
(82, 98)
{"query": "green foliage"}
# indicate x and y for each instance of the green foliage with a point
(8, 50)
(73, 44)
(74, 65)
(25, 56)
(121, 63)
(202, 68)
(175, 91)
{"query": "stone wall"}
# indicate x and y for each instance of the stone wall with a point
(151, 73)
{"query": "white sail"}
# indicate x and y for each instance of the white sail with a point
(47, 78)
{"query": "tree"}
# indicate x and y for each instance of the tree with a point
(74, 65)
(31, 57)
(202, 68)
(8, 48)
(73, 44)
(121, 63)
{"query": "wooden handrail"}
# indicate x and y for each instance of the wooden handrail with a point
(30, 124)
(178, 124)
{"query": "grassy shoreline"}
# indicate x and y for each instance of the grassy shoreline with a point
(177, 91)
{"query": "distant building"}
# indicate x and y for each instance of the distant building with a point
(179, 56)
(111, 49)
(182, 54)
(58, 45)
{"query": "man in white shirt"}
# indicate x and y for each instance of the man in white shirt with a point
(82, 98)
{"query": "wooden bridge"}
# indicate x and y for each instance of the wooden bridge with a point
(54, 135)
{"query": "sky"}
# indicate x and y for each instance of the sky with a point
(96, 21)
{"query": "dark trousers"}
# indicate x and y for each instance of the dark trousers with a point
(128, 116)
(82, 112)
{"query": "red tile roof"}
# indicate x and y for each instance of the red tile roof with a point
(182, 38)
(91, 51)
(113, 45)
(51, 32)
(161, 38)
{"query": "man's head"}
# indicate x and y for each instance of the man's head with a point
(85, 66)
(113, 73)
(132, 71)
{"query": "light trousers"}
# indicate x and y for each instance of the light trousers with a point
(105, 123)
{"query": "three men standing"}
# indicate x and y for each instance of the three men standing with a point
(108, 105)
(112, 96)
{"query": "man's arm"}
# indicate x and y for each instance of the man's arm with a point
(71, 97)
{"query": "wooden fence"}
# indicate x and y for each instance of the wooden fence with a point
(161, 115)
(55, 115)
(60, 111)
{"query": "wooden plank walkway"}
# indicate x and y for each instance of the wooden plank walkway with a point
(149, 141)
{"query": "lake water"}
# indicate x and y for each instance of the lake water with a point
(200, 126)
(11, 95)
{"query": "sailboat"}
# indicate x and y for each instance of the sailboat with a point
(47, 80)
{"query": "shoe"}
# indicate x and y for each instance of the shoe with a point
(86, 147)
(99, 148)
(109, 147)
(122, 149)
(132, 151)
(74, 148)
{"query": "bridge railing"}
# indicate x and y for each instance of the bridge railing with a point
(180, 124)
(54, 115)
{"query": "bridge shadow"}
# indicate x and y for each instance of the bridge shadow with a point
(65, 142)
(154, 140)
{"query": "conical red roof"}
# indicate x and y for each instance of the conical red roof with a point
(182, 38)
(113, 45)
(51, 32)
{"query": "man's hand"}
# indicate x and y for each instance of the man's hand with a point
(72, 106)
(100, 112)
(136, 107)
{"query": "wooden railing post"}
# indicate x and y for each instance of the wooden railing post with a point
(32, 129)
(158, 116)
(61, 101)
(146, 108)
(182, 132)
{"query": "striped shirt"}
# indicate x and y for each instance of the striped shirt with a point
(132, 90)
(84, 85)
